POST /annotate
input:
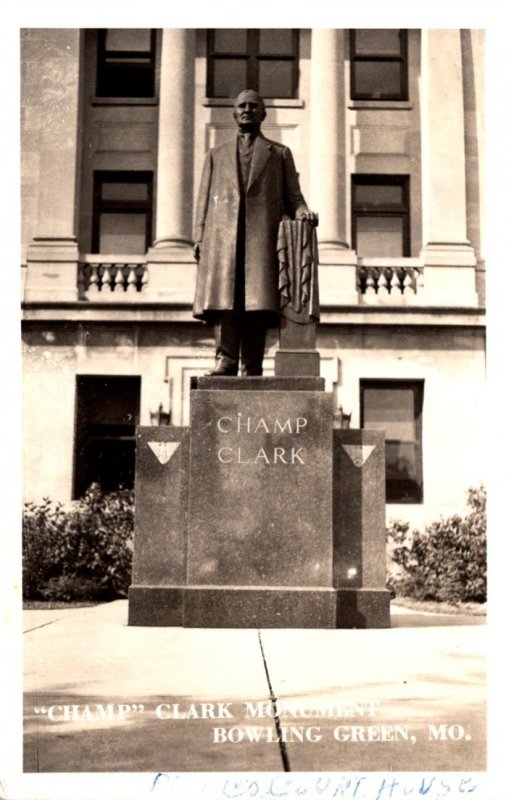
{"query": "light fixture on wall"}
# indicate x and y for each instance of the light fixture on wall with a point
(342, 420)
(160, 417)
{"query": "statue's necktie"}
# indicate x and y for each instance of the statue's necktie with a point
(246, 142)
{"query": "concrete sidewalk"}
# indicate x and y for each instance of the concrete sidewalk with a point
(102, 696)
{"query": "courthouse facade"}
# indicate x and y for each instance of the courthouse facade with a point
(386, 128)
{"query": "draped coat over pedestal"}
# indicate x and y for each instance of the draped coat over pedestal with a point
(221, 220)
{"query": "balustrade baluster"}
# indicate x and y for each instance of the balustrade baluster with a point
(370, 283)
(121, 276)
(115, 277)
(107, 279)
(93, 287)
(396, 287)
(143, 277)
(131, 278)
(382, 283)
(409, 288)
(362, 279)
(82, 280)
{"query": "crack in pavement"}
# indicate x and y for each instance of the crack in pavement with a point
(44, 624)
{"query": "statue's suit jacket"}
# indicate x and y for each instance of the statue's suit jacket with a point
(272, 190)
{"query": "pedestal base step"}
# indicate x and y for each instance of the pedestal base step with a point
(258, 607)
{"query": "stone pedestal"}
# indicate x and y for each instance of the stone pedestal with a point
(257, 515)
(161, 518)
(297, 354)
(359, 529)
(260, 509)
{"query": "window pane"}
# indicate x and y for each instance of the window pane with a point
(378, 196)
(401, 460)
(126, 79)
(230, 41)
(379, 237)
(110, 463)
(275, 78)
(391, 410)
(128, 39)
(124, 191)
(403, 473)
(122, 233)
(377, 79)
(377, 42)
(229, 76)
(276, 41)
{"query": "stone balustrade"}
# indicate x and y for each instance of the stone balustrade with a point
(112, 277)
(124, 278)
(391, 282)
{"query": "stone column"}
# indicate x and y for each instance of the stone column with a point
(51, 58)
(328, 163)
(449, 258)
(174, 193)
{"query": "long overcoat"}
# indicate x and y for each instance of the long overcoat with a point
(272, 190)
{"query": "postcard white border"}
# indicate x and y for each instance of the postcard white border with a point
(313, 13)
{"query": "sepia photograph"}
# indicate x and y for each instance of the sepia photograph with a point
(253, 546)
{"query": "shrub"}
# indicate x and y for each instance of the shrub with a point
(70, 587)
(80, 553)
(448, 562)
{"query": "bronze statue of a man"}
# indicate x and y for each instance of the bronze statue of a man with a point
(246, 187)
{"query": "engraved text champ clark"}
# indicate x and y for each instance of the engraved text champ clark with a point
(250, 425)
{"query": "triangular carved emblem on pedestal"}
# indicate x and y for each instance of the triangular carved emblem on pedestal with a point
(358, 453)
(163, 450)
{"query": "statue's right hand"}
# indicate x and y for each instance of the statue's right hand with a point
(196, 251)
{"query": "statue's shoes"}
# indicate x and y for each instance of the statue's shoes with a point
(221, 371)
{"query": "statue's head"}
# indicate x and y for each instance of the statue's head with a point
(249, 110)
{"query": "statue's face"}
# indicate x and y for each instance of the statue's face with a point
(249, 110)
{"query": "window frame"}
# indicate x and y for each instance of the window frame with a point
(101, 206)
(418, 385)
(102, 65)
(358, 210)
(402, 59)
(252, 56)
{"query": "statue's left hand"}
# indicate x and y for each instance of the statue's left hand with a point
(305, 213)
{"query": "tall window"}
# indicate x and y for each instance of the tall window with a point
(107, 411)
(264, 59)
(396, 408)
(126, 62)
(122, 212)
(379, 64)
(380, 215)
